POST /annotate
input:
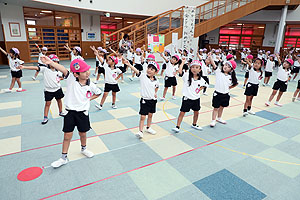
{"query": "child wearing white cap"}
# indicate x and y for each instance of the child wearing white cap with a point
(14, 63)
(138, 59)
(42, 52)
(75, 52)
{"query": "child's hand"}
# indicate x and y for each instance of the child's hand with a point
(20, 67)
(155, 95)
(36, 45)
(183, 60)
(125, 61)
(46, 60)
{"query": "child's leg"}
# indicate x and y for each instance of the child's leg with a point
(267, 80)
(165, 92)
(220, 111)
(245, 81)
(59, 104)
(96, 70)
(82, 138)
(296, 92)
(272, 95)
(13, 80)
(195, 118)
(214, 114)
(133, 74)
(246, 104)
(174, 90)
(279, 96)
(36, 73)
(295, 76)
(46, 109)
(122, 77)
(98, 76)
(103, 98)
(66, 142)
(162, 72)
(114, 96)
(149, 120)
(250, 102)
(142, 121)
(19, 82)
(180, 118)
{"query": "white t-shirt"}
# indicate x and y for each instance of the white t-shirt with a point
(204, 56)
(78, 96)
(51, 79)
(111, 74)
(204, 68)
(168, 58)
(137, 59)
(269, 66)
(148, 86)
(223, 82)
(97, 59)
(192, 91)
(296, 63)
(129, 55)
(73, 57)
(243, 55)
(254, 76)
(260, 56)
(170, 69)
(282, 74)
(14, 63)
(120, 64)
(39, 60)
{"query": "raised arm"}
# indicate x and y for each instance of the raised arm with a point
(113, 51)
(278, 58)
(161, 54)
(249, 63)
(3, 51)
(198, 55)
(48, 61)
(67, 47)
(181, 66)
(126, 62)
(37, 46)
(97, 54)
(28, 67)
(212, 62)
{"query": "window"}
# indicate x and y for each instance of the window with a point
(67, 19)
(292, 36)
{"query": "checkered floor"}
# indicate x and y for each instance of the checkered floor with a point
(253, 157)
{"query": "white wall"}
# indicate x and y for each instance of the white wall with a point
(90, 23)
(12, 13)
(213, 34)
(137, 7)
(1, 31)
(270, 34)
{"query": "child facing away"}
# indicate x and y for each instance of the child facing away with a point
(16, 73)
(149, 88)
(42, 52)
(193, 83)
(80, 91)
(75, 52)
(103, 55)
(52, 86)
(297, 91)
(269, 68)
(138, 59)
(97, 62)
(283, 76)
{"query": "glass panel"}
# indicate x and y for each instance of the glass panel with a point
(34, 16)
(67, 19)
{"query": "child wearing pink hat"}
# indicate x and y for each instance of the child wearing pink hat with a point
(250, 59)
(52, 86)
(283, 76)
(269, 68)
(80, 92)
(225, 80)
(149, 88)
(16, 73)
(193, 83)
(75, 52)
(42, 52)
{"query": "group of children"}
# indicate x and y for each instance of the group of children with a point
(194, 73)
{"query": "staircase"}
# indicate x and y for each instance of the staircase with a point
(209, 16)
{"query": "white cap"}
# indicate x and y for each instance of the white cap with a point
(45, 49)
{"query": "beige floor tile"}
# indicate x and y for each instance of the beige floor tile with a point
(107, 126)
(10, 120)
(10, 145)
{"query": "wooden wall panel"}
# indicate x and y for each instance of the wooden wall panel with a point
(3, 58)
(86, 51)
(23, 48)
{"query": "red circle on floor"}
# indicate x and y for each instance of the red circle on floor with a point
(30, 174)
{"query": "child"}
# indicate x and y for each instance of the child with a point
(193, 83)
(149, 88)
(14, 63)
(80, 91)
(297, 92)
(75, 53)
(204, 54)
(186, 56)
(296, 67)
(283, 76)
(137, 61)
(205, 71)
(170, 75)
(42, 52)
(97, 62)
(150, 57)
(52, 87)
(243, 59)
(250, 58)
(120, 64)
(130, 55)
(112, 75)
(225, 80)
(103, 55)
(269, 69)
(255, 74)
(167, 55)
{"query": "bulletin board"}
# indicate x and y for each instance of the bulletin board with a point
(156, 42)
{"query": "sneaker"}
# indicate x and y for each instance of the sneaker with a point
(62, 114)
(199, 128)
(45, 121)
(278, 104)
(293, 99)
(114, 106)
(98, 106)
(151, 131)
(267, 103)
(244, 86)
(162, 98)
(130, 78)
(264, 84)
(59, 163)
(33, 78)
(298, 99)
(176, 130)
(268, 84)
(174, 98)
(205, 94)
(139, 134)
(87, 153)
(122, 81)
(213, 123)
(251, 112)
(7, 90)
(245, 114)
(19, 90)
(94, 74)
(96, 82)
(221, 121)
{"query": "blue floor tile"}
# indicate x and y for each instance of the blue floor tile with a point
(269, 115)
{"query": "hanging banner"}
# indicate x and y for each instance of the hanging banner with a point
(188, 26)
(175, 40)
(156, 43)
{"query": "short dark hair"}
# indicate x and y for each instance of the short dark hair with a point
(126, 36)
(152, 67)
